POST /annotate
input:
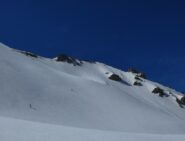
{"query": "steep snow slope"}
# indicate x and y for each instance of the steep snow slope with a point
(43, 91)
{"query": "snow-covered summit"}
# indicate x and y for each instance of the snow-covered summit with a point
(77, 94)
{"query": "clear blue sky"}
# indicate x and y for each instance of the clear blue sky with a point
(144, 34)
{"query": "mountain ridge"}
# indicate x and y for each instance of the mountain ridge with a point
(69, 92)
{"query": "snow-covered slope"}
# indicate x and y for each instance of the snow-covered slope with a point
(77, 100)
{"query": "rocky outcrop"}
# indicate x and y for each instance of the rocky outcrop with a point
(159, 91)
(142, 75)
(179, 102)
(183, 100)
(139, 74)
(30, 54)
(138, 78)
(70, 60)
(115, 77)
(136, 83)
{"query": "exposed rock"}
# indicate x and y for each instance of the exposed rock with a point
(115, 77)
(180, 103)
(64, 58)
(29, 54)
(70, 60)
(142, 75)
(183, 100)
(136, 83)
(159, 91)
(139, 74)
(138, 78)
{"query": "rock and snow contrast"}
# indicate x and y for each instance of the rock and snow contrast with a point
(65, 99)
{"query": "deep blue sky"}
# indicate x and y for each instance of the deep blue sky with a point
(147, 35)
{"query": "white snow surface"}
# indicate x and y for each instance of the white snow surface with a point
(45, 100)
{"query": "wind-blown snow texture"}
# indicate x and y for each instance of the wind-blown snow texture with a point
(45, 100)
